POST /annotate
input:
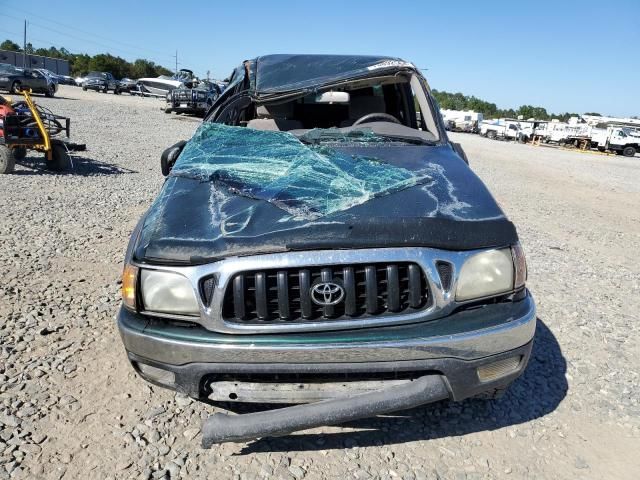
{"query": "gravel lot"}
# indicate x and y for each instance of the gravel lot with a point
(72, 407)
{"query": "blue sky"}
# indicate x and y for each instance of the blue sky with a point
(564, 55)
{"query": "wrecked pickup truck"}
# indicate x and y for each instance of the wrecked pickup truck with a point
(320, 241)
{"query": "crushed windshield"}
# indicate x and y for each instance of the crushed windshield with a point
(281, 73)
(307, 181)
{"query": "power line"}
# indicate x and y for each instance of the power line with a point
(37, 25)
(93, 34)
(103, 45)
(19, 35)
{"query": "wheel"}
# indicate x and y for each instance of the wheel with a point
(15, 87)
(60, 160)
(629, 151)
(84, 89)
(7, 162)
(492, 134)
(51, 91)
(167, 110)
(19, 153)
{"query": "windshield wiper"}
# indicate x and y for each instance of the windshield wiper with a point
(361, 136)
(408, 139)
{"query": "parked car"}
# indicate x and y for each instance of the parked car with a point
(127, 85)
(14, 79)
(100, 82)
(67, 80)
(196, 100)
(321, 238)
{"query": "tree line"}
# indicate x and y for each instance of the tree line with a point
(459, 101)
(81, 63)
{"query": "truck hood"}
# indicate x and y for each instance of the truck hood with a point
(237, 191)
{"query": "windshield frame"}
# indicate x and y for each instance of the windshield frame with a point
(243, 82)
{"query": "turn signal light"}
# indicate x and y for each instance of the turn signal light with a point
(129, 281)
(156, 374)
(499, 369)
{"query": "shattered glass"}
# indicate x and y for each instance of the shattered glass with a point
(307, 181)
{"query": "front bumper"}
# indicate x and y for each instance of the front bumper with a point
(187, 107)
(95, 86)
(453, 346)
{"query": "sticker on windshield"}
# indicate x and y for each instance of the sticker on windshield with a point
(389, 64)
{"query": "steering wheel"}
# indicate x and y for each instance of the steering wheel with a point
(370, 116)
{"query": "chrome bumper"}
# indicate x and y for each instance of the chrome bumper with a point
(466, 335)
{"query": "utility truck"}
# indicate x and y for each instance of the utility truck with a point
(462, 120)
(500, 129)
(617, 139)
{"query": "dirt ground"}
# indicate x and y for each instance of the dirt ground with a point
(72, 407)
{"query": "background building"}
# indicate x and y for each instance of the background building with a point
(56, 65)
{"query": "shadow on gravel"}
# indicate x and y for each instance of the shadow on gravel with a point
(56, 97)
(82, 166)
(535, 394)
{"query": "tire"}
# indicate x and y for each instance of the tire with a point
(19, 153)
(629, 151)
(84, 89)
(167, 110)
(15, 87)
(492, 134)
(7, 162)
(51, 91)
(60, 160)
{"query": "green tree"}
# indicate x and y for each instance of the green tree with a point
(81, 63)
(9, 45)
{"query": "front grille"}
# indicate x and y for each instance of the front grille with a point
(284, 295)
(182, 95)
(445, 270)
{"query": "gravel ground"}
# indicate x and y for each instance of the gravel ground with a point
(72, 407)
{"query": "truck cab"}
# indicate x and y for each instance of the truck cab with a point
(616, 139)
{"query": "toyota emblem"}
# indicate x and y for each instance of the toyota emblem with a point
(327, 293)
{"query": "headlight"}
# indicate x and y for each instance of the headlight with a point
(167, 292)
(486, 273)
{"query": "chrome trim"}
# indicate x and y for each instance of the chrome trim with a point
(513, 333)
(211, 316)
(170, 316)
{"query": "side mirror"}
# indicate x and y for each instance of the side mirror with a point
(460, 151)
(169, 157)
